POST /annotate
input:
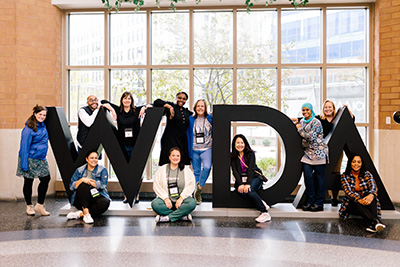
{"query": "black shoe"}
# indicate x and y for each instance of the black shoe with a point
(316, 208)
(136, 201)
(306, 207)
(334, 202)
(125, 201)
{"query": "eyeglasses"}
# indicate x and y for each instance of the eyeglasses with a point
(93, 100)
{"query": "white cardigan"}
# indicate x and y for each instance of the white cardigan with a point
(160, 184)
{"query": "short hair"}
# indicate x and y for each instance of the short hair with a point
(182, 92)
(90, 152)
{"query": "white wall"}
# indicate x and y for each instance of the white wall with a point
(10, 184)
(387, 160)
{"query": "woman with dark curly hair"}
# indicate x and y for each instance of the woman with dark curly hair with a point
(361, 194)
(32, 161)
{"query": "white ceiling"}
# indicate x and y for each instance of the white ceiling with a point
(77, 4)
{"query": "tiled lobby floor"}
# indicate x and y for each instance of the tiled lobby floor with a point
(207, 241)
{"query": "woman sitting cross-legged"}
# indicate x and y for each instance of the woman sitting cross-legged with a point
(361, 195)
(174, 185)
(89, 187)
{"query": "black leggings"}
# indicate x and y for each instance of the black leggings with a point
(42, 189)
(84, 199)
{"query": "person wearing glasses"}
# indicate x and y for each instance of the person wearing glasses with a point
(86, 118)
(175, 132)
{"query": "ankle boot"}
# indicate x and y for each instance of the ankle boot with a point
(29, 210)
(40, 209)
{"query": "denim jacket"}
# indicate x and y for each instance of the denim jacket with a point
(99, 175)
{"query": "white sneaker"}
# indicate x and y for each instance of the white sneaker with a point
(74, 215)
(88, 218)
(380, 227)
(265, 204)
(187, 218)
(29, 210)
(264, 217)
(162, 219)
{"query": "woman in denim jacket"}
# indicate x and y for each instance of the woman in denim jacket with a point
(89, 187)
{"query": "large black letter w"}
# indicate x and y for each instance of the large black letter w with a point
(103, 132)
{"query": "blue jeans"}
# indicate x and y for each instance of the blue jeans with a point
(201, 157)
(129, 150)
(315, 189)
(253, 196)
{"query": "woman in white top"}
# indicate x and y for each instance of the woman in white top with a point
(174, 184)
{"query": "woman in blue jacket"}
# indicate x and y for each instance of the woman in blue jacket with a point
(89, 187)
(32, 161)
(199, 135)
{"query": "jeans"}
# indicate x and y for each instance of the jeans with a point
(187, 206)
(253, 196)
(202, 157)
(314, 178)
(129, 150)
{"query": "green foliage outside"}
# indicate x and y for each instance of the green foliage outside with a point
(268, 166)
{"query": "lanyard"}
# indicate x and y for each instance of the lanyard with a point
(177, 173)
(195, 128)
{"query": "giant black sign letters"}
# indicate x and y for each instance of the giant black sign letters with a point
(344, 137)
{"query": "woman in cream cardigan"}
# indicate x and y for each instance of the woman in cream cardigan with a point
(174, 184)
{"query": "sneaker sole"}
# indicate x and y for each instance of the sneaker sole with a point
(380, 227)
(371, 230)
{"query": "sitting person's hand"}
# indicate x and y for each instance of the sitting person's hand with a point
(168, 203)
(179, 202)
(246, 189)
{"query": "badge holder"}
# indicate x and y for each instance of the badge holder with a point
(128, 132)
(94, 192)
(200, 138)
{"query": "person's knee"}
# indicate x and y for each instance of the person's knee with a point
(190, 203)
(45, 179)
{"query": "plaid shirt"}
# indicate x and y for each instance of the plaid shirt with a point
(367, 185)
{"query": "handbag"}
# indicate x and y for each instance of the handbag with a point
(265, 179)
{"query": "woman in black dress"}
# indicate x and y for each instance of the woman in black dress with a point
(175, 132)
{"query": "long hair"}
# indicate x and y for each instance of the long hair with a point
(348, 166)
(32, 122)
(205, 107)
(247, 148)
(181, 164)
(323, 109)
(121, 105)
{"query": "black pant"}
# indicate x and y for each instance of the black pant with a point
(368, 212)
(84, 199)
(42, 189)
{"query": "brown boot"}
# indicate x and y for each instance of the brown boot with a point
(40, 209)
